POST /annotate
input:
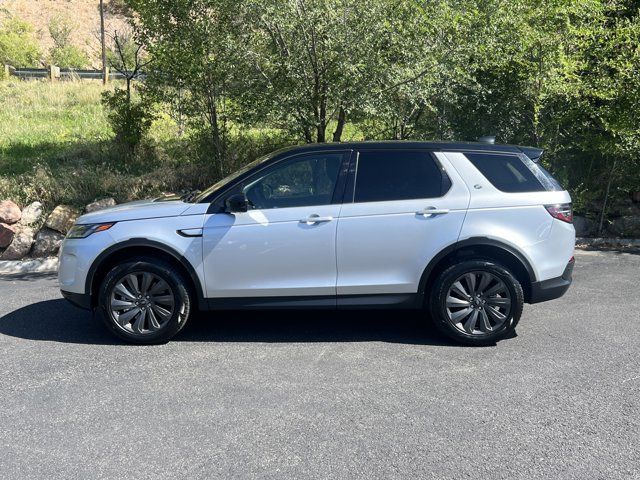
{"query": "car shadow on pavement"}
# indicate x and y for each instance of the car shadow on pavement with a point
(59, 321)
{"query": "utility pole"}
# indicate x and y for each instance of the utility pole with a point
(102, 42)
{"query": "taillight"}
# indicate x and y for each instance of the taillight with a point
(561, 211)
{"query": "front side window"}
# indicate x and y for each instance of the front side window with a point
(506, 172)
(386, 175)
(300, 182)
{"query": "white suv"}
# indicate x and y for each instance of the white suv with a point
(466, 231)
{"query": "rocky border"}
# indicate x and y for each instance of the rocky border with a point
(28, 233)
(608, 243)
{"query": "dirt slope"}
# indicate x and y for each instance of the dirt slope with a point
(82, 15)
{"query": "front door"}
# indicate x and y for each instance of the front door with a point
(284, 245)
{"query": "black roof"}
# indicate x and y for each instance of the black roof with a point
(532, 152)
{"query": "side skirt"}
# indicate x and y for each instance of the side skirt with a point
(330, 302)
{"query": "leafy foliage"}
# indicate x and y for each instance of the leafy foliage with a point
(63, 53)
(130, 119)
(563, 75)
(18, 46)
(559, 74)
(195, 60)
(69, 57)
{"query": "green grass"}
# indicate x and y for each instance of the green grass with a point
(44, 123)
(56, 147)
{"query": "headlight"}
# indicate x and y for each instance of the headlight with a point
(83, 231)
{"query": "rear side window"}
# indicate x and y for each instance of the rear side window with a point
(506, 172)
(385, 175)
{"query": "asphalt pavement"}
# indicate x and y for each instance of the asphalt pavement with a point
(326, 394)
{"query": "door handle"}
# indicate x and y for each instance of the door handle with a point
(315, 219)
(190, 232)
(433, 211)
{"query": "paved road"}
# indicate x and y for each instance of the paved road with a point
(307, 395)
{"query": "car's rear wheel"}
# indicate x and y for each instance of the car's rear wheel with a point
(476, 302)
(144, 301)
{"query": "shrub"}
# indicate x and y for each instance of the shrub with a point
(68, 57)
(129, 118)
(18, 46)
(64, 54)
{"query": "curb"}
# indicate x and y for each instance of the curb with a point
(608, 242)
(35, 265)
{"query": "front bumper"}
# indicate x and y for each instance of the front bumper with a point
(554, 287)
(82, 300)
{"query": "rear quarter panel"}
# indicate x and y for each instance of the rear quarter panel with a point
(518, 220)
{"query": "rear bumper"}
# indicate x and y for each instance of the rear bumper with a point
(82, 300)
(554, 287)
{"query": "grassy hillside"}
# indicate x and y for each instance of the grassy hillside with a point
(44, 123)
(56, 147)
(82, 15)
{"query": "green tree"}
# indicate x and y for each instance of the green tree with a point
(195, 58)
(427, 52)
(18, 46)
(63, 53)
(559, 74)
(130, 116)
(599, 123)
(312, 61)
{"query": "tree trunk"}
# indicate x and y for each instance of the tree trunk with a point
(306, 131)
(321, 132)
(216, 138)
(322, 117)
(180, 119)
(606, 197)
(342, 119)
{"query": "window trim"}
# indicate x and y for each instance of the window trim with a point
(216, 205)
(350, 190)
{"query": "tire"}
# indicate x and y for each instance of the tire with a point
(152, 314)
(498, 303)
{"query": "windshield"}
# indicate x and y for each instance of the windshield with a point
(230, 178)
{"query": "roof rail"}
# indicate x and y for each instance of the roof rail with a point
(490, 139)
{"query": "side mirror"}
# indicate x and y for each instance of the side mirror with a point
(237, 203)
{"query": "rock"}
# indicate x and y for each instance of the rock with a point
(47, 243)
(21, 244)
(585, 227)
(100, 205)
(627, 226)
(9, 212)
(31, 213)
(62, 218)
(6, 234)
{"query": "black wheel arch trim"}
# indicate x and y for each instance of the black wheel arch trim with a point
(145, 242)
(472, 242)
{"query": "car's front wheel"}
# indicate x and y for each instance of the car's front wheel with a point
(144, 300)
(476, 302)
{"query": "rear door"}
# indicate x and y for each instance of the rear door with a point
(402, 207)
